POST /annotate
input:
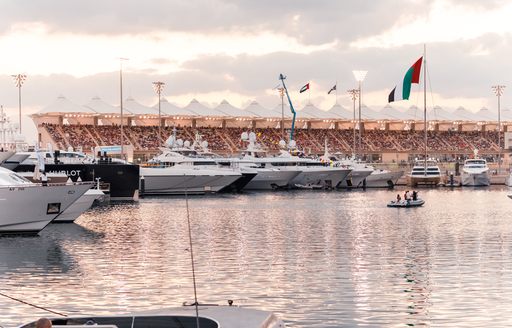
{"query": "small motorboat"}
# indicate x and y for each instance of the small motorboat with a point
(406, 203)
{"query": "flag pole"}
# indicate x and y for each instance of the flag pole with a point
(425, 102)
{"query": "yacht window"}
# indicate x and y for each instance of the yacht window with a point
(172, 322)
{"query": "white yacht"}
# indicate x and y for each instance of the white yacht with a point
(77, 208)
(210, 316)
(29, 207)
(309, 173)
(425, 173)
(180, 170)
(475, 172)
(359, 172)
(380, 178)
(80, 206)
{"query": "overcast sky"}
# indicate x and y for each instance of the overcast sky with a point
(235, 49)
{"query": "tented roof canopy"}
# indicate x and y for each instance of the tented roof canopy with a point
(229, 110)
(172, 110)
(339, 112)
(133, 107)
(279, 111)
(259, 111)
(64, 106)
(463, 114)
(97, 105)
(440, 114)
(312, 111)
(484, 114)
(201, 110)
(369, 114)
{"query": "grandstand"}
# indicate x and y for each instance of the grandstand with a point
(389, 134)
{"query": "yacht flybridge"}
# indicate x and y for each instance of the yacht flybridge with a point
(425, 173)
(475, 172)
(29, 207)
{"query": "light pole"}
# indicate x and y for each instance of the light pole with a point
(18, 81)
(121, 102)
(158, 89)
(281, 93)
(360, 75)
(498, 90)
(354, 94)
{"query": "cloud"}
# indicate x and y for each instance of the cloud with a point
(312, 22)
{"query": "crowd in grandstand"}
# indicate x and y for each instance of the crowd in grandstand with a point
(228, 140)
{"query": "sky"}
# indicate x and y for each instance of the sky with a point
(235, 50)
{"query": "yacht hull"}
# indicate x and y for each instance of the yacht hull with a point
(268, 179)
(166, 181)
(355, 179)
(240, 183)
(424, 180)
(475, 179)
(383, 179)
(326, 177)
(81, 205)
(28, 209)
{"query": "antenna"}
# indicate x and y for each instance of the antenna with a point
(192, 260)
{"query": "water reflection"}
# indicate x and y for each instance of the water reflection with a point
(320, 259)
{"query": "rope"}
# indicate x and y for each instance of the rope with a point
(32, 305)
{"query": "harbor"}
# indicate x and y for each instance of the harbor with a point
(229, 164)
(330, 259)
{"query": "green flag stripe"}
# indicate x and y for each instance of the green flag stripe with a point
(406, 89)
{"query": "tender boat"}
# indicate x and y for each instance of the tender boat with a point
(475, 172)
(210, 316)
(425, 173)
(28, 208)
(406, 203)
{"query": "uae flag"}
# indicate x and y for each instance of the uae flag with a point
(304, 88)
(403, 89)
(332, 89)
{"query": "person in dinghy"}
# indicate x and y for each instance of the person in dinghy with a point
(408, 201)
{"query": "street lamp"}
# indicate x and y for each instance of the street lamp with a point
(359, 76)
(498, 90)
(19, 79)
(121, 102)
(158, 89)
(281, 93)
(354, 94)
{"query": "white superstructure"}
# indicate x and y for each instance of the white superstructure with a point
(29, 207)
(475, 172)
(421, 174)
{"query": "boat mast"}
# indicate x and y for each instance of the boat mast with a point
(425, 102)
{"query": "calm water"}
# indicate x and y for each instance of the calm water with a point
(318, 259)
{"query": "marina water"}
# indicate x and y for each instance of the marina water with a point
(317, 259)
